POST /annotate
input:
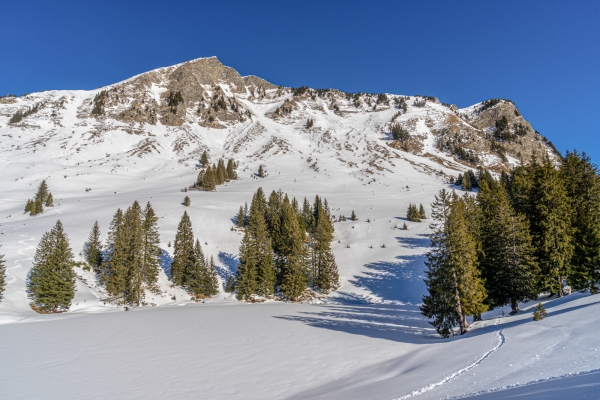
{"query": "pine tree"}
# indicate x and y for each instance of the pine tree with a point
(261, 171)
(204, 159)
(353, 216)
(113, 230)
(49, 200)
(184, 245)
(582, 182)
(209, 183)
(507, 262)
(200, 179)
(134, 252)
(453, 281)
(539, 313)
(220, 172)
(2, 276)
(198, 275)
(42, 192)
(231, 169)
(405, 227)
(308, 215)
(51, 285)
(230, 286)
(324, 269)
(151, 246)
(186, 201)
(292, 256)
(422, 214)
(239, 220)
(93, 248)
(28, 206)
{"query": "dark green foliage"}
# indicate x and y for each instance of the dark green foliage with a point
(453, 281)
(539, 313)
(399, 133)
(353, 216)
(422, 214)
(184, 245)
(405, 227)
(49, 200)
(291, 258)
(582, 182)
(209, 178)
(2, 276)
(174, 99)
(230, 286)
(324, 269)
(382, 99)
(51, 284)
(231, 167)
(99, 103)
(204, 159)
(186, 201)
(465, 155)
(151, 246)
(93, 248)
(507, 258)
(28, 206)
(240, 220)
(200, 276)
(36, 206)
(310, 123)
(300, 91)
(261, 171)
(19, 115)
(412, 213)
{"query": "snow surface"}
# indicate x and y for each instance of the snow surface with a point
(368, 340)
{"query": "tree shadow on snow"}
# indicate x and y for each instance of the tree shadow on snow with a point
(391, 322)
(165, 260)
(394, 281)
(231, 264)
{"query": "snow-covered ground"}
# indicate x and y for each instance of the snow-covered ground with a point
(366, 341)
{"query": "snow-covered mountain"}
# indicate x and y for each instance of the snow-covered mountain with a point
(141, 139)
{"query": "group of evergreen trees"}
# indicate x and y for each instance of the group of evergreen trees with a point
(190, 268)
(469, 181)
(210, 177)
(286, 248)
(42, 197)
(19, 115)
(520, 236)
(2, 276)
(130, 263)
(415, 215)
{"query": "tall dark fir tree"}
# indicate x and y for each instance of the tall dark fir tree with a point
(93, 248)
(184, 245)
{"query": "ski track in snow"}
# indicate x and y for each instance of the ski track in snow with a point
(22, 252)
(501, 342)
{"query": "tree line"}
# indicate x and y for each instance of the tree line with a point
(527, 233)
(286, 248)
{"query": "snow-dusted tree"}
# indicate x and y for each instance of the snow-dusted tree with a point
(51, 284)
(93, 248)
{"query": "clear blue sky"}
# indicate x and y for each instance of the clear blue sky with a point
(543, 55)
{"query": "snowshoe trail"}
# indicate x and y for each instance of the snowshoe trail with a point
(500, 343)
(22, 251)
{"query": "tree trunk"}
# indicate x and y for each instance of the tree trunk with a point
(560, 287)
(514, 305)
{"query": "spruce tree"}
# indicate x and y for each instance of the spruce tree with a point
(261, 171)
(204, 159)
(422, 214)
(231, 170)
(507, 262)
(42, 191)
(184, 245)
(453, 280)
(200, 179)
(308, 215)
(2, 276)
(186, 201)
(230, 286)
(28, 206)
(113, 231)
(353, 216)
(198, 275)
(209, 183)
(582, 183)
(220, 172)
(134, 251)
(151, 246)
(291, 258)
(93, 248)
(324, 269)
(51, 285)
(49, 200)
(240, 218)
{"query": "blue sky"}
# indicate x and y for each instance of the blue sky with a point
(543, 55)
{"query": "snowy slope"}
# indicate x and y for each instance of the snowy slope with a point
(368, 339)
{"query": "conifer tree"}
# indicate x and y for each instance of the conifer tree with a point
(200, 179)
(93, 248)
(28, 206)
(186, 201)
(204, 159)
(261, 171)
(2, 276)
(231, 169)
(184, 245)
(198, 275)
(405, 227)
(507, 262)
(453, 281)
(422, 214)
(239, 220)
(42, 192)
(113, 231)
(49, 200)
(220, 173)
(307, 213)
(582, 182)
(539, 313)
(247, 273)
(230, 286)
(134, 253)
(151, 246)
(292, 256)
(209, 182)
(51, 285)
(353, 216)
(324, 269)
